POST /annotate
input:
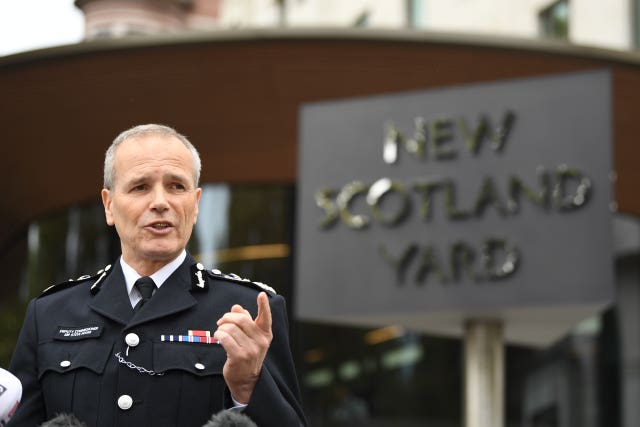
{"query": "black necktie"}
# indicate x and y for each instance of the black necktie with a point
(145, 286)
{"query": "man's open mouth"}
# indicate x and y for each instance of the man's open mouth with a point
(160, 225)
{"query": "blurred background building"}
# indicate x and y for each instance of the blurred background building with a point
(231, 75)
(611, 24)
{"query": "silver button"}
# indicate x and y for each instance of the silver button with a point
(200, 266)
(125, 402)
(65, 363)
(132, 339)
(199, 366)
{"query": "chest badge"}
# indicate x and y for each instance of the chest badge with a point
(193, 336)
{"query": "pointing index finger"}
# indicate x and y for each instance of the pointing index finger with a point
(263, 320)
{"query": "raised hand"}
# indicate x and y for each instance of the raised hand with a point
(246, 342)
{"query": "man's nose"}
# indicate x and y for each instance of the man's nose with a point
(159, 199)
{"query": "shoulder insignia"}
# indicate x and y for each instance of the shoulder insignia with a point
(217, 274)
(98, 283)
(95, 287)
(199, 279)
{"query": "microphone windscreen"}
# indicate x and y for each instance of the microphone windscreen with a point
(63, 420)
(226, 418)
(10, 395)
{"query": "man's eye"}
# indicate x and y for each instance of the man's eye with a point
(177, 186)
(140, 187)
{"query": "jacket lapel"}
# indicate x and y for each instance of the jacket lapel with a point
(172, 297)
(112, 299)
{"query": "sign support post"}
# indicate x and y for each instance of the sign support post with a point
(484, 373)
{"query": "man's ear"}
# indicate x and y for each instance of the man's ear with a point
(195, 213)
(106, 202)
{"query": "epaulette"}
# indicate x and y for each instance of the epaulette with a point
(217, 274)
(95, 287)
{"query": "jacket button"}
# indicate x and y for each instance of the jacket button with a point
(199, 366)
(125, 402)
(65, 363)
(132, 340)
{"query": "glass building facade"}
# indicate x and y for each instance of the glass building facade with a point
(350, 376)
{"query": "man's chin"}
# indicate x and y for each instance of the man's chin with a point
(161, 253)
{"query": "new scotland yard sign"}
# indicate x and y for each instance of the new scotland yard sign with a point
(426, 208)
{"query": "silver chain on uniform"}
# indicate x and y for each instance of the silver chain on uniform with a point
(136, 367)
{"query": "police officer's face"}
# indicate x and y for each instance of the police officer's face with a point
(153, 203)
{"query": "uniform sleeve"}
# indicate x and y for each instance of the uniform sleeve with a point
(276, 397)
(24, 365)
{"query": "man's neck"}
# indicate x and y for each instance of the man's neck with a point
(146, 267)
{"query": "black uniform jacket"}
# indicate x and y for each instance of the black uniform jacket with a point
(82, 350)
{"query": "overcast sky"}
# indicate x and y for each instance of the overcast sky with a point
(34, 24)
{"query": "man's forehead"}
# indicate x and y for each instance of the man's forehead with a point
(151, 147)
(140, 149)
(177, 175)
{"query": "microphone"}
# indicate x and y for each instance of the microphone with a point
(226, 418)
(221, 419)
(10, 395)
(63, 420)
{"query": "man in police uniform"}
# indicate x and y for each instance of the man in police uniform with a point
(155, 340)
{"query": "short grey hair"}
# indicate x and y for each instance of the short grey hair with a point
(144, 130)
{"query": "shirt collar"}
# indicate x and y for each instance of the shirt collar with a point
(159, 277)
